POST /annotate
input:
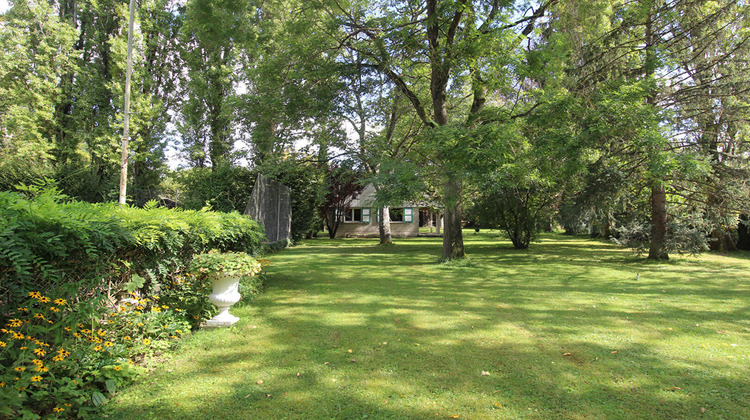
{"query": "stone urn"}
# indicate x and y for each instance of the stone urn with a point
(225, 270)
(225, 294)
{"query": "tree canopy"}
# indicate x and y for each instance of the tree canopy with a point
(622, 119)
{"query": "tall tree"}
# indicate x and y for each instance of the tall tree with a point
(212, 32)
(457, 46)
(36, 51)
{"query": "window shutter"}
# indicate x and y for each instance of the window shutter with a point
(408, 218)
(365, 215)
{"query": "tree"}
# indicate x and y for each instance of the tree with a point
(468, 48)
(343, 186)
(211, 36)
(36, 50)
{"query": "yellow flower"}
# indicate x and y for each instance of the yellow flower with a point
(165, 307)
(140, 308)
(37, 362)
(58, 358)
(60, 302)
(14, 323)
(44, 299)
(18, 336)
(127, 338)
(146, 341)
(178, 331)
(117, 368)
(36, 378)
(41, 368)
(54, 309)
(2, 344)
(67, 405)
(35, 295)
(98, 348)
(19, 369)
(97, 340)
(23, 348)
(101, 333)
(107, 344)
(68, 329)
(64, 352)
(40, 316)
(23, 309)
(140, 324)
(155, 309)
(77, 335)
(59, 410)
(39, 352)
(2, 384)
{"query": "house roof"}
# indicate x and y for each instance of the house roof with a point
(367, 197)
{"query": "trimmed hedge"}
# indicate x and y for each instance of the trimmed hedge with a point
(48, 242)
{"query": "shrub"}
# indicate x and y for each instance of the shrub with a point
(89, 291)
(49, 242)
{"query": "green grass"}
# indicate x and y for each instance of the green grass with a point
(563, 329)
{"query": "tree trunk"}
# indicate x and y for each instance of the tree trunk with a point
(332, 225)
(384, 226)
(658, 248)
(453, 240)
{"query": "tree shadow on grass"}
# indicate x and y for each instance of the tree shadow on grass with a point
(559, 342)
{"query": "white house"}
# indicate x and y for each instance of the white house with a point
(361, 218)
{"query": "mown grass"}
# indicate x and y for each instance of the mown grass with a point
(564, 330)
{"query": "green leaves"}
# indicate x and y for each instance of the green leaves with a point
(48, 242)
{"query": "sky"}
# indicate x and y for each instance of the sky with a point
(4, 6)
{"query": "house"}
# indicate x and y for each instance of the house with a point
(361, 218)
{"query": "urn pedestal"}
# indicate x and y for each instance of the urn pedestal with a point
(225, 294)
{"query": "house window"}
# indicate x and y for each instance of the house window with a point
(353, 215)
(402, 214)
(397, 214)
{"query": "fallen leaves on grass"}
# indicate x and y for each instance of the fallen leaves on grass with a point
(485, 373)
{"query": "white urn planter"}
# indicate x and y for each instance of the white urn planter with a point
(225, 294)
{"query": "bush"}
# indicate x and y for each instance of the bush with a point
(48, 242)
(89, 291)
(687, 234)
(58, 362)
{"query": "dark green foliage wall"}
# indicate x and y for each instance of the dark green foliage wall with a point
(226, 188)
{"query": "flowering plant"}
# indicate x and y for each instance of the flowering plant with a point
(228, 263)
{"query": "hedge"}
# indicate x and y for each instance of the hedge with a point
(48, 242)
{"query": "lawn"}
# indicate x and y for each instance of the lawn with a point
(572, 328)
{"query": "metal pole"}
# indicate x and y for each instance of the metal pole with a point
(125, 134)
